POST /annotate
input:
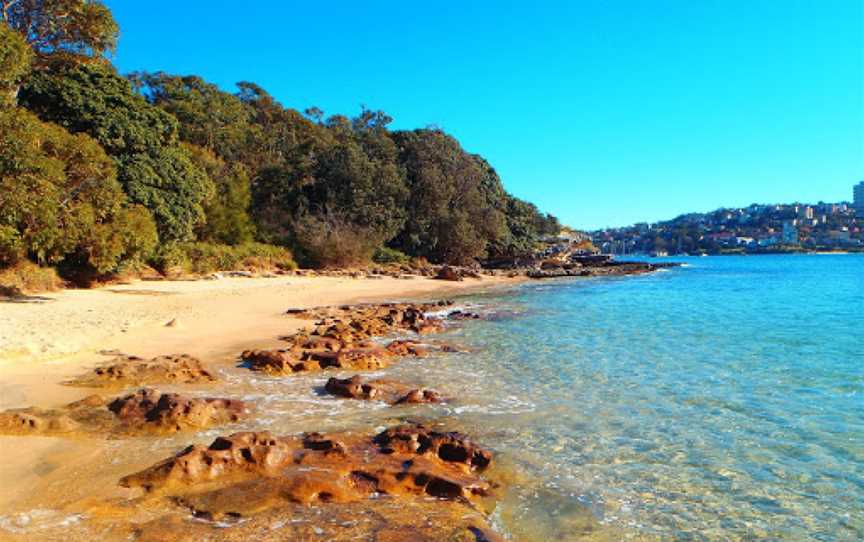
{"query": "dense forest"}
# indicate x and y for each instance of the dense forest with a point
(102, 173)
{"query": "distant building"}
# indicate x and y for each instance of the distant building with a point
(790, 233)
(858, 199)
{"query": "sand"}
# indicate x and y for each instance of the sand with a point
(48, 338)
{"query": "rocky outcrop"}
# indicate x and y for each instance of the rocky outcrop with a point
(144, 411)
(388, 391)
(149, 409)
(341, 338)
(365, 357)
(125, 371)
(406, 461)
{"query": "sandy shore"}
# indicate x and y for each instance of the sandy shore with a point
(47, 338)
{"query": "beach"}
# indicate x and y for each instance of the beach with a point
(48, 337)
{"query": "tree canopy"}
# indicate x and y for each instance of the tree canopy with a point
(60, 199)
(95, 165)
(82, 28)
(143, 139)
(15, 59)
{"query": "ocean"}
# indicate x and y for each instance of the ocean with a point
(720, 400)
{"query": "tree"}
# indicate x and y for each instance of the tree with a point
(346, 182)
(60, 199)
(209, 117)
(78, 28)
(454, 207)
(227, 210)
(282, 136)
(15, 59)
(152, 167)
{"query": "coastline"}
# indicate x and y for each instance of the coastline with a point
(214, 321)
(47, 338)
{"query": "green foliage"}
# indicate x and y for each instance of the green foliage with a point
(15, 59)
(177, 208)
(208, 117)
(322, 203)
(386, 255)
(83, 28)
(455, 202)
(60, 199)
(152, 167)
(525, 225)
(227, 209)
(219, 168)
(209, 257)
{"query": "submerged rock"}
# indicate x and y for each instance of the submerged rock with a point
(388, 391)
(134, 371)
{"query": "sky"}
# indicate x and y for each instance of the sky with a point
(604, 113)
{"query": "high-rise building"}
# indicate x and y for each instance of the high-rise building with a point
(858, 200)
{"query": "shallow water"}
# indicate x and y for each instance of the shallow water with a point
(721, 400)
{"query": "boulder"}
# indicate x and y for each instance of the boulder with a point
(388, 391)
(148, 408)
(448, 273)
(134, 371)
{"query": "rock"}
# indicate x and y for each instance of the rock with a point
(238, 274)
(418, 396)
(448, 273)
(463, 315)
(35, 422)
(131, 370)
(172, 412)
(341, 338)
(407, 461)
(146, 410)
(388, 391)
(451, 446)
(172, 323)
(404, 347)
(296, 361)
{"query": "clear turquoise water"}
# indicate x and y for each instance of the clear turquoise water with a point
(722, 400)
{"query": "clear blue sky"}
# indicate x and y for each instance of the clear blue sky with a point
(601, 112)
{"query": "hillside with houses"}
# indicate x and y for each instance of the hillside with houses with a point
(759, 228)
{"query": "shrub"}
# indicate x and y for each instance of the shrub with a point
(332, 242)
(26, 277)
(387, 255)
(210, 257)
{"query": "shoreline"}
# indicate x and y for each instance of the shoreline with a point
(210, 320)
(53, 336)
